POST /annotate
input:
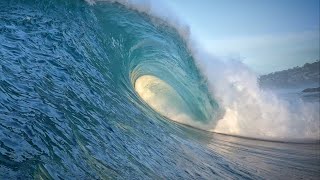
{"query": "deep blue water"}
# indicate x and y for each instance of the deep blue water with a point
(69, 110)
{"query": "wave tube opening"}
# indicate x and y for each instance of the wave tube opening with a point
(162, 98)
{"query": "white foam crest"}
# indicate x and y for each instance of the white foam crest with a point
(253, 112)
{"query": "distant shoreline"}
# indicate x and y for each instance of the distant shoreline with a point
(311, 90)
(306, 77)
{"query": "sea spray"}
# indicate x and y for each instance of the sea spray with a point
(254, 112)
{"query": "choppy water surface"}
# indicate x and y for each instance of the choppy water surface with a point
(69, 107)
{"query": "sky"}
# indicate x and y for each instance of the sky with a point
(267, 35)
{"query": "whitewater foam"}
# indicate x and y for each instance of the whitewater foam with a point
(253, 112)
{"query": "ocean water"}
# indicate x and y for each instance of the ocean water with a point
(103, 91)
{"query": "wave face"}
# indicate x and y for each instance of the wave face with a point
(93, 91)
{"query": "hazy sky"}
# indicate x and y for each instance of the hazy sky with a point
(268, 35)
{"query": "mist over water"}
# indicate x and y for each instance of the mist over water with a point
(254, 112)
